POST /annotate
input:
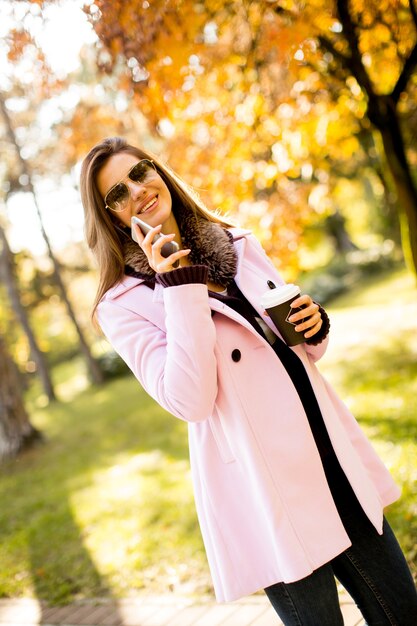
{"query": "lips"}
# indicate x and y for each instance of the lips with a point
(145, 203)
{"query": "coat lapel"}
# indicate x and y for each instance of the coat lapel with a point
(252, 277)
(253, 274)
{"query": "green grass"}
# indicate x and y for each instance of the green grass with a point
(372, 363)
(104, 507)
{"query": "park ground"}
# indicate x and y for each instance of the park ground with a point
(104, 508)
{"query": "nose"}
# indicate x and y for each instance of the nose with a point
(136, 189)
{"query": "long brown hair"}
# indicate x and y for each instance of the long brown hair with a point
(103, 236)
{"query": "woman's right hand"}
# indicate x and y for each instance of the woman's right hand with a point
(156, 261)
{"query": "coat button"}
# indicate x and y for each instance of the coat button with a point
(236, 355)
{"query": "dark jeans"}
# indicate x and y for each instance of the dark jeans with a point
(374, 572)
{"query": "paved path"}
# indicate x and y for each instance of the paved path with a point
(154, 611)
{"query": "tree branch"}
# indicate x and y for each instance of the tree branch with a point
(413, 11)
(328, 45)
(334, 73)
(409, 66)
(369, 26)
(355, 60)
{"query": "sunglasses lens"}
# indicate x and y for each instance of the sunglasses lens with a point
(141, 171)
(117, 197)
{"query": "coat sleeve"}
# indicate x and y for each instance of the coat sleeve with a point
(316, 352)
(178, 369)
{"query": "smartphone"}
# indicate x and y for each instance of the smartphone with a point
(167, 249)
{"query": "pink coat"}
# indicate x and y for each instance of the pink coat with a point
(265, 510)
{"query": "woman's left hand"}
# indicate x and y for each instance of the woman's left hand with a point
(310, 314)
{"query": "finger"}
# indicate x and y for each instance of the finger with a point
(166, 265)
(157, 246)
(304, 313)
(138, 234)
(304, 300)
(308, 323)
(157, 255)
(148, 239)
(314, 330)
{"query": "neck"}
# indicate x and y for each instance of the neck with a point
(171, 226)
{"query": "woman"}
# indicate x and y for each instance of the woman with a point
(268, 436)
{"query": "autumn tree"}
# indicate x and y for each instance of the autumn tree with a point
(211, 93)
(102, 110)
(22, 50)
(367, 54)
(269, 98)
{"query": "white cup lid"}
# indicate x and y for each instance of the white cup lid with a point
(280, 294)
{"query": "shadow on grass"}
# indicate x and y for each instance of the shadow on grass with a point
(86, 437)
(396, 429)
(387, 374)
(120, 416)
(383, 381)
(118, 425)
(372, 290)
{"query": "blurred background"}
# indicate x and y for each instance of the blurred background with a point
(296, 119)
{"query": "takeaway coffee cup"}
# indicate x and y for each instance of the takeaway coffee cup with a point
(277, 303)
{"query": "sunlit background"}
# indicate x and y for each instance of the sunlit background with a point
(60, 31)
(284, 119)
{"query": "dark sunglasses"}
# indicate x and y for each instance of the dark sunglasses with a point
(117, 198)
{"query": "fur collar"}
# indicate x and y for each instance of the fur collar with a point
(210, 244)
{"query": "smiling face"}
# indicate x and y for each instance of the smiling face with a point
(149, 200)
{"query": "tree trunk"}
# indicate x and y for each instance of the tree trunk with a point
(391, 207)
(335, 226)
(389, 212)
(94, 370)
(7, 273)
(383, 114)
(16, 431)
(407, 197)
